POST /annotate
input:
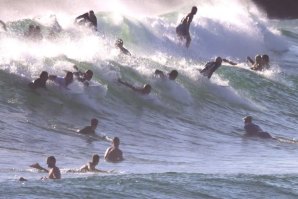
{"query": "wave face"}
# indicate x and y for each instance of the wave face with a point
(186, 134)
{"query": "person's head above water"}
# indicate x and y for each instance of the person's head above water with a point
(265, 59)
(146, 89)
(44, 75)
(88, 75)
(94, 122)
(51, 161)
(116, 142)
(69, 77)
(194, 10)
(258, 59)
(247, 119)
(119, 43)
(218, 60)
(173, 74)
(95, 159)
(91, 12)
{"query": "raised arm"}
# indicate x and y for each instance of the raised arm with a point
(250, 60)
(3, 25)
(83, 16)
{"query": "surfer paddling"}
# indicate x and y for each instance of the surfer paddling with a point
(90, 166)
(90, 129)
(145, 90)
(253, 130)
(54, 171)
(182, 29)
(40, 82)
(212, 66)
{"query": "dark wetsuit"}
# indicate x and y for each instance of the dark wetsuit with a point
(88, 18)
(38, 83)
(254, 130)
(209, 69)
(87, 130)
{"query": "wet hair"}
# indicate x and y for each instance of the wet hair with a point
(258, 58)
(147, 88)
(119, 42)
(44, 74)
(94, 121)
(95, 157)
(247, 118)
(218, 60)
(265, 58)
(91, 12)
(51, 158)
(90, 73)
(69, 75)
(194, 10)
(116, 141)
(173, 74)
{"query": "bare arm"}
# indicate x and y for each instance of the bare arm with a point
(127, 84)
(37, 166)
(250, 60)
(230, 62)
(54, 173)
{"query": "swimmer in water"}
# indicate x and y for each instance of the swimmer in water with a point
(145, 90)
(171, 75)
(253, 130)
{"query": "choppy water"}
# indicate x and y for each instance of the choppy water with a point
(185, 140)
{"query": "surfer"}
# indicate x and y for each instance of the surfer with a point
(265, 61)
(40, 82)
(171, 75)
(145, 90)
(3, 25)
(34, 33)
(54, 171)
(182, 29)
(260, 63)
(119, 44)
(90, 166)
(90, 129)
(87, 19)
(83, 77)
(253, 130)
(212, 66)
(62, 81)
(113, 153)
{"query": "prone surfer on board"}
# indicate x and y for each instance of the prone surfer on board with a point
(253, 130)
(54, 171)
(90, 166)
(212, 66)
(145, 90)
(182, 29)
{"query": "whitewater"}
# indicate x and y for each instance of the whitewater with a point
(185, 139)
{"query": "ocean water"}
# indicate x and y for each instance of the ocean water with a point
(184, 140)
